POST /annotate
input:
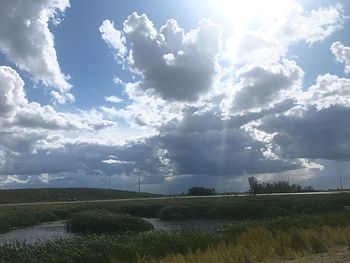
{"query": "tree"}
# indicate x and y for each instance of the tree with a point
(198, 191)
(253, 184)
(276, 187)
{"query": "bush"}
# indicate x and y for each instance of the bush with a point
(4, 226)
(201, 191)
(29, 218)
(106, 222)
(169, 213)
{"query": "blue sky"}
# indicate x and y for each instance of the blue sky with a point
(210, 89)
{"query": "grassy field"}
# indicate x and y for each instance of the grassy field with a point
(64, 194)
(265, 227)
(229, 208)
(280, 238)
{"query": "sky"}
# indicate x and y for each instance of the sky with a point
(179, 93)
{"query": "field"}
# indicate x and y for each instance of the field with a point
(263, 228)
(10, 196)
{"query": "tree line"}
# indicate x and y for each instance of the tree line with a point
(276, 187)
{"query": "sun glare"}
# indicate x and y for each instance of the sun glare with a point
(244, 13)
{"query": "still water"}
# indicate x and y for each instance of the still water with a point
(48, 231)
(41, 232)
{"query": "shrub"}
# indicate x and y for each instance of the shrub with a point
(169, 213)
(106, 222)
(29, 218)
(4, 226)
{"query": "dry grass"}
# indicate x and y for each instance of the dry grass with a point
(259, 244)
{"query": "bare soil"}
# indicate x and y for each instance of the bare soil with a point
(336, 255)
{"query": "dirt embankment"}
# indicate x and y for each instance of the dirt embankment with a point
(336, 255)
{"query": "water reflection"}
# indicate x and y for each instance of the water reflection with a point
(43, 232)
(48, 231)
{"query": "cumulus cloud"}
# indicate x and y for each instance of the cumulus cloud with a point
(175, 65)
(16, 111)
(146, 110)
(114, 38)
(27, 41)
(195, 122)
(329, 90)
(259, 86)
(342, 54)
(205, 144)
(313, 134)
(11, 91)
(317, 127)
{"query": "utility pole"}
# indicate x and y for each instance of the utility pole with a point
(110, 182)
(139, 178)
(341, 181)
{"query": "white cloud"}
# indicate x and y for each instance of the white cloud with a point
(310, 27)
(262, 87)
(114, 38)
(316, 127)
(342, 54)
(329, 90)
(16, 111)
(175, 65)
(12, 94)
(118, 81)
(62, 98)
(113, 99)
(27, 41)
(147, 111)
(116, 162)
(271, 39)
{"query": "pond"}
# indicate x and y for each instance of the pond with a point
(42, 232)
(51, 230)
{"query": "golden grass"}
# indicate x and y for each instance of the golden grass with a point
(259, 244)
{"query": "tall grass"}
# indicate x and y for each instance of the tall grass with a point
(281, 238)
(230, 208)
(260, 244)
(99, 221)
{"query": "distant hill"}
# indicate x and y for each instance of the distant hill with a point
(64, 194)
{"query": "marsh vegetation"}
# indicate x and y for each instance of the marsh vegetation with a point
(264, 227)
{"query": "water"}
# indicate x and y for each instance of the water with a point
(43, 232)
(49, 231)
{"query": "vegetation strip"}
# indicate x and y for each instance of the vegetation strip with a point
(283, 238)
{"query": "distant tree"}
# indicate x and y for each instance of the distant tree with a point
(198, 191)
(277, 187)
(253, 184)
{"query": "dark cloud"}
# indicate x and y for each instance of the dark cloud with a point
(261, 86)
(314, 134)
(175, 65)
(206, 144)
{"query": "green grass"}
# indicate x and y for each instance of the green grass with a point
(229, 208)
(105, 222)
(11, 196)
(280, 238)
